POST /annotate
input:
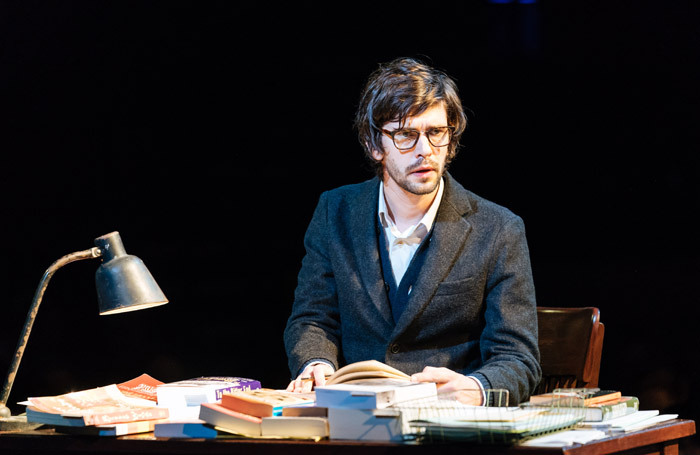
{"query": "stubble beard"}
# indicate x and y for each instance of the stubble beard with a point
(402, 177)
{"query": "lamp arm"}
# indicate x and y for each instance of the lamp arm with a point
(24, 337)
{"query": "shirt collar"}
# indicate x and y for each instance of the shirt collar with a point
(426, 221)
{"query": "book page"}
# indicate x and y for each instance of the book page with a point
(366, 369)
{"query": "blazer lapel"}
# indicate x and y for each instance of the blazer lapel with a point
(364, 241)
(450, 231)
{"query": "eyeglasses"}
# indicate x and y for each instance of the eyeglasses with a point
(406, 139)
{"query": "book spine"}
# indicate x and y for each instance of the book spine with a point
(128, 415)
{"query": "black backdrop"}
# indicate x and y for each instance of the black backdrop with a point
(204, 132)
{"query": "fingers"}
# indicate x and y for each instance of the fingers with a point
(464, 388)
(300, 385)
(433, 374)
(320, 372)
(313, 375)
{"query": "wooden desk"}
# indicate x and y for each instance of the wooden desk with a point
(661, 439)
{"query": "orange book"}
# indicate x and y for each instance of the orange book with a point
(574, 396)
(263, 402)
(602, 397)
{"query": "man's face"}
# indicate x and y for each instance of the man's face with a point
(417, 170)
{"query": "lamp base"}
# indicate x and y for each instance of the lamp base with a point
(17, 423)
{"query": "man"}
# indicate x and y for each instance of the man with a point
(410, 268)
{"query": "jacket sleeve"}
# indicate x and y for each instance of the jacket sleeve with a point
(313, 328)
(509, 341)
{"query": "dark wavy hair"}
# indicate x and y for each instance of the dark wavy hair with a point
(404, 88)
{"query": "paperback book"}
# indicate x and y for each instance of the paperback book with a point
(264, 402)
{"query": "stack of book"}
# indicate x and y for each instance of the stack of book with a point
(359, 399)
(605, 410)
(183, 398)
(593, 405)
(261, 413)
(113, 410)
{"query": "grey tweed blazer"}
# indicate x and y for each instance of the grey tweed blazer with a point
(472, 308)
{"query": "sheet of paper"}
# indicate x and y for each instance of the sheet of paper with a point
(565, 438)
(651, 421)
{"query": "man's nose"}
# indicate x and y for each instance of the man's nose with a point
(423, 146)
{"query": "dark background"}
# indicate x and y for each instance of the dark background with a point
(205, 131)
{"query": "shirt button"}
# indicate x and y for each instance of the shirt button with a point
(394, 348)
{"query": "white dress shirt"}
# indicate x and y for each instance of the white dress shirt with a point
(403, 245)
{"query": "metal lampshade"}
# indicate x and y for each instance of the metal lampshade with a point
(123, 281)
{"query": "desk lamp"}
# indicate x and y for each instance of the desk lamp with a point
(123, 284)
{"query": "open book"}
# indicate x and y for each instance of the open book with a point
(366, 372)
(370, 384)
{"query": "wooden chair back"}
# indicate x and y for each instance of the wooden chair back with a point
(571, 346)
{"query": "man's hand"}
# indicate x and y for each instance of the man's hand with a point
(464, 389)
(313, 375)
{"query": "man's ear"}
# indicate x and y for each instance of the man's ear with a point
(377, 155)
